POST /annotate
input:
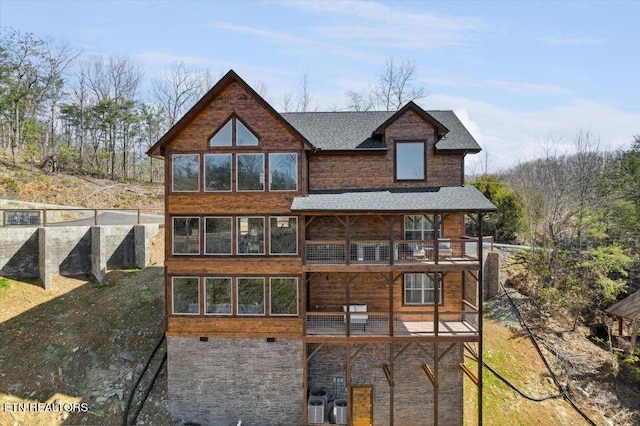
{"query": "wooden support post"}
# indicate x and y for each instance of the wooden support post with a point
(391, 363)
(480, 308)
(391, 313)
(347, 314)
(347, 241)
(436, 385)
(348, 384)
(620, 326)
(305, 385)
(436, 303)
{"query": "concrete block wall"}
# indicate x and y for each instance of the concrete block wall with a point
(64, 251)
(222, 381)
(19, 253)
(491, 273)
(73, 250)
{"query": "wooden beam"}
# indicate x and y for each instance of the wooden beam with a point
(388, 375)
(358, 350)
(446, 351)
(469, 373)
(401, 351)
(634, 335)
(314, 352)
(429, 372)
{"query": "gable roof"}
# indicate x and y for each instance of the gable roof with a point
(158, 148)
(444, 199)
(355, 130)
(628, 307)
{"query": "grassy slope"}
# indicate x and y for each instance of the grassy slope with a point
(514, 357)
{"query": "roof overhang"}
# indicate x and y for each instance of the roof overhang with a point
(406, 200)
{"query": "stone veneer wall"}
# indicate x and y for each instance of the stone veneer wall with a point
(413, 393)
(225, 380)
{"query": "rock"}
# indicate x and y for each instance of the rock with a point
(127, 356)
(101, 399)
(76, 349)
(120, 394)
(130, 375)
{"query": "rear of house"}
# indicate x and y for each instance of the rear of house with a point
(318, 268)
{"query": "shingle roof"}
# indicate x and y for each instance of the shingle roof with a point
(353, 129)
(338, 130)
(458, 198)
(628, 307)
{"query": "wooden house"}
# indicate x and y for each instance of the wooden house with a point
(317, 267)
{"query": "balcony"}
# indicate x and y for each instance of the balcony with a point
(377, 252)
(405, 324)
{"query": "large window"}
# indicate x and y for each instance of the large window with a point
(186, 172)
(284, 296)
(185, 293)
(217, 296)
(250, 235)
(217, 233)
(217, 172)
(250, 296)
(419, 289)
(250, 170)
(186, 235)
(234, 132)
(420, 227)
(410, 161)
(283, 235)
(283, 172)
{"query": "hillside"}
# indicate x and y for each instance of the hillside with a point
(25, 183)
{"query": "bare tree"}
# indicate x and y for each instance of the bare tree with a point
(360, 101)
(396, 85)
(261, 89)
(178, 90)
(287, 102)
(305, 100)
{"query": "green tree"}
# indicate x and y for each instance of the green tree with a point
(508, 220)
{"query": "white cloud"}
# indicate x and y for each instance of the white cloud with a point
(564, 40)
(373, 23)
(523, 88)
(512, 136)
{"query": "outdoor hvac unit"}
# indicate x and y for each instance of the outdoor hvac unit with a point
(315, 408)
(319, 394)
(340, 411)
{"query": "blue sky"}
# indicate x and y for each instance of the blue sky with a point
(517, 73)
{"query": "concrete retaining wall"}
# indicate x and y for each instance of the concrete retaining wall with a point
(222, 381)
(73, 250)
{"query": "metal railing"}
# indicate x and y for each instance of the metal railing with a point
(404, 251)
(80, 216)
(421, 324)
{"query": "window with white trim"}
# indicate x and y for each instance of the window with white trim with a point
(186, 235)
(250, 172)
(283, 171)
(284, 296)
(185, 295)
(185, 172)
(419, 289)
(283, 235)
(218, 235)
(250, 232)
(217, 172)
(250, 298)
(420, 227)
(217, 293)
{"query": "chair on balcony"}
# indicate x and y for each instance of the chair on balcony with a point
(444, 249)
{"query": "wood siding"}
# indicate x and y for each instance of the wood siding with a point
(341, 171)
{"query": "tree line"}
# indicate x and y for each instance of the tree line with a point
(100, 115)
(580, 214)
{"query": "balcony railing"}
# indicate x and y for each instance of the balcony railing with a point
(403, 251)
(405, 324)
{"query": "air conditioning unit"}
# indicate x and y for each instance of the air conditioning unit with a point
(315, 410)
(340, 411)
(319, 394)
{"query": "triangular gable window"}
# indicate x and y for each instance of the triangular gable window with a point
(223, 137)
(244, 135)
(234, 132)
